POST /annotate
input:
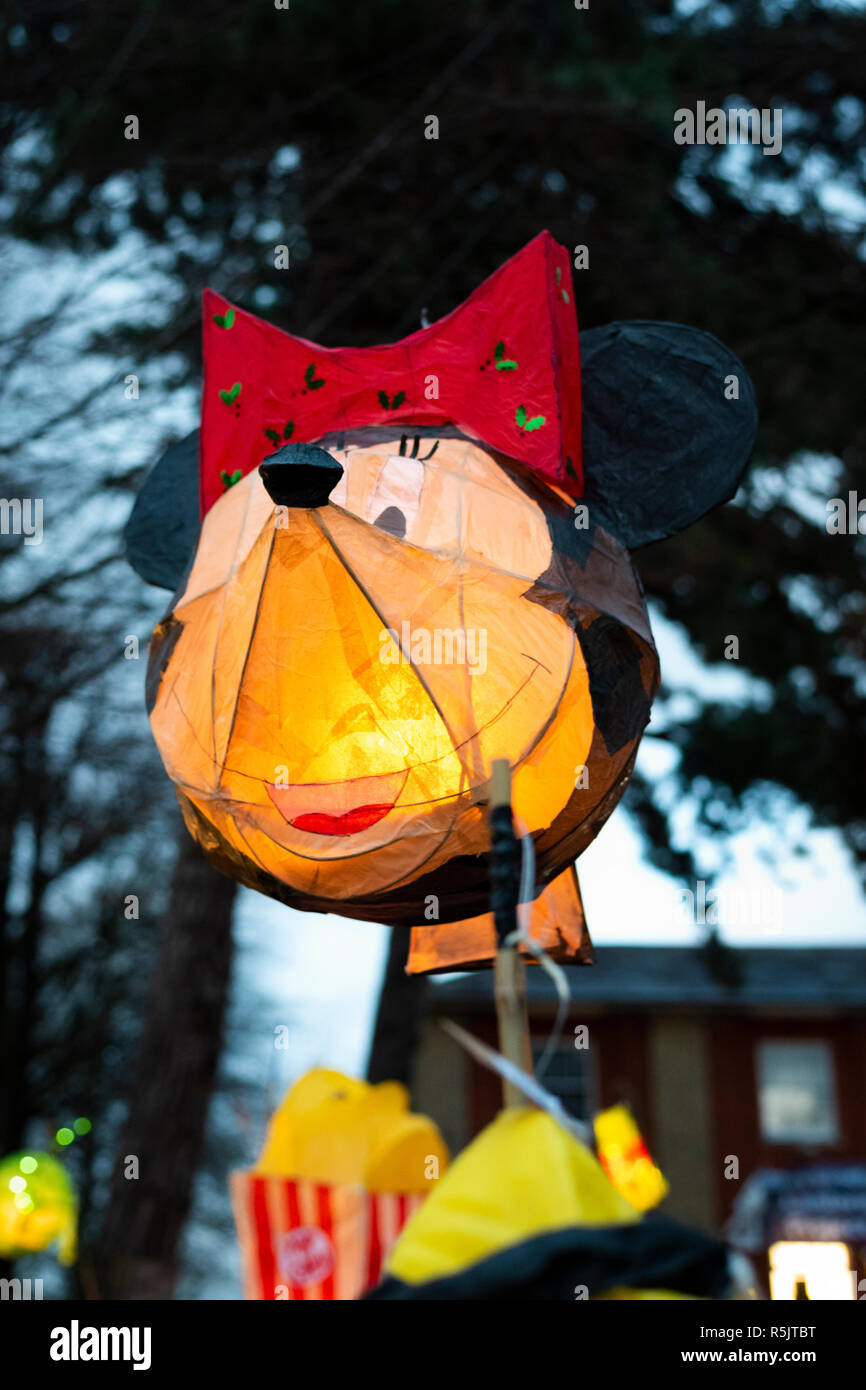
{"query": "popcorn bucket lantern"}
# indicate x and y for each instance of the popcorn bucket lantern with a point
(344, 1166)
(305, 1240)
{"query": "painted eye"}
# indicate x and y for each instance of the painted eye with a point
(393, 521)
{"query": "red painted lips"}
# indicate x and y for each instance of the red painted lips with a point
(351, 821)
(338, 808)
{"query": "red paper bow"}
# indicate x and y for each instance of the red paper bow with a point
(504, 367)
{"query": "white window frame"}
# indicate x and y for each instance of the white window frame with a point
(825, 1130)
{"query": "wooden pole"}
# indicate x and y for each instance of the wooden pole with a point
(509, 971)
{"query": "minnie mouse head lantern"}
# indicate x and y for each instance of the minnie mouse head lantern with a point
(394, 565)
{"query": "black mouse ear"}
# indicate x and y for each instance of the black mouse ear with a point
(163, 526)
(669, 420)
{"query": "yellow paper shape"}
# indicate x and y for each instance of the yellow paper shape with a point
(626, 1160)
(523, 1175)
(409, 1157)
(332, 1128)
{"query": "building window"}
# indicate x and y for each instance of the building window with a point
(819, 1270)
(569, 1077)
(797, 1093)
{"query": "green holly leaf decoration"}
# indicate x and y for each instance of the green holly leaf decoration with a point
(229, 479)
(503, 363)
(398, 400)
(534, 424)
(313, 381)
(569, 467)
(386, 404)
(224, 320)
(288, 431)
(383, 400)
(229, 397)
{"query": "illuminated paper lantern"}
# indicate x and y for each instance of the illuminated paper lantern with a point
(393, 566)
(344, 1165)
(38, 1206)
(526, 1212)
(305, 1241)
(626, 1160)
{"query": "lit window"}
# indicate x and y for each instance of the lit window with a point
(568, 1076)
(797, 1093)
(814, 1269)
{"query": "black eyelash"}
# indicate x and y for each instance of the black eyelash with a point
(415, 447)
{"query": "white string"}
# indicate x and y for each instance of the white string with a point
(521, 937)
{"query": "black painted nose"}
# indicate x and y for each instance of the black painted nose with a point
(300, 475)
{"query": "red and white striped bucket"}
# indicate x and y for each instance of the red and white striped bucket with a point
(306, 1240)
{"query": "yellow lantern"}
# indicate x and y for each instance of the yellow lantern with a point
(332, 1128)
(527, 1212)
(625, 1158)
(38, 1205)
